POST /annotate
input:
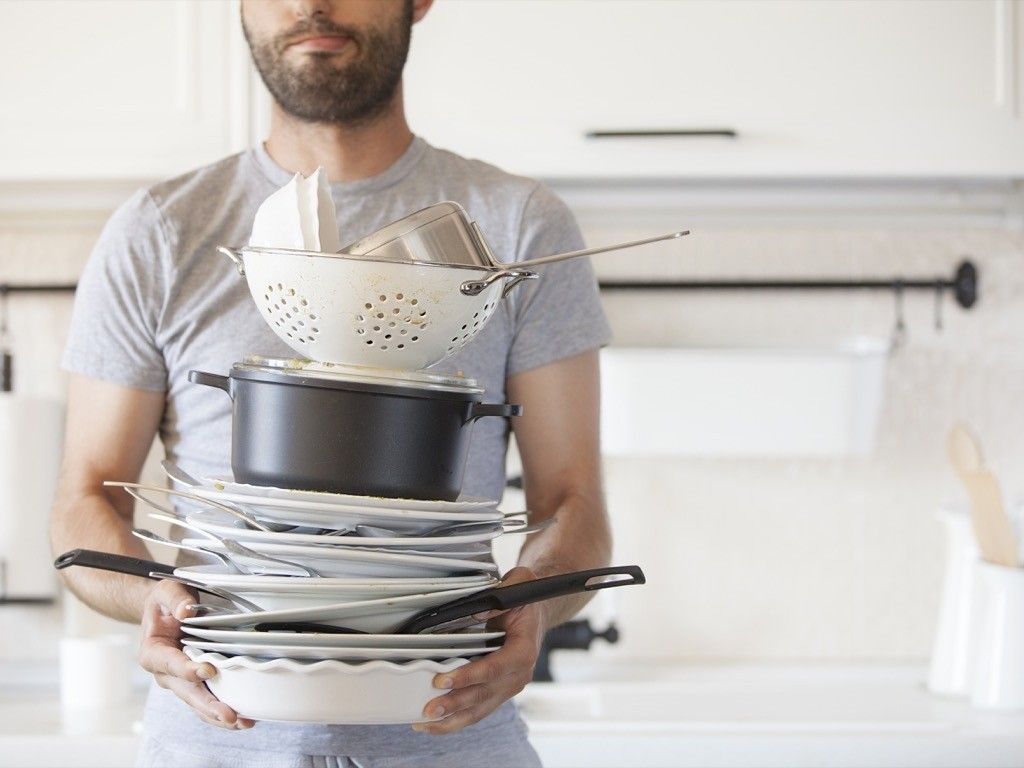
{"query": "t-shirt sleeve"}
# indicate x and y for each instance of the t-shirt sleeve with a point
(120, 297)
(559, 314)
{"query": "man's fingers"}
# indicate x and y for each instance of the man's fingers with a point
(162, 657)
(206, 705)
(461, 718)
(517, 653)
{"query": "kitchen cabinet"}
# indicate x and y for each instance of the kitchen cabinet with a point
(109, 89)
(906, 88)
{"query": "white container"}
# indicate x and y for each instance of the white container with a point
(334, 692)
(95, 672)
(959, 623)
(743, 401)
(999, 672)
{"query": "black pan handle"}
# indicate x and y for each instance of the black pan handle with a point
(505, 410)
(515, 595)
(108, 561)
(211, 380)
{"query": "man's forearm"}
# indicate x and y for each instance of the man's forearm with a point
(92, 522)
(579, 539)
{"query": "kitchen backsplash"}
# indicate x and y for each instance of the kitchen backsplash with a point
(746, 558)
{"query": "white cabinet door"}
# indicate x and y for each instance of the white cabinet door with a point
(108, 89)
(811, 88)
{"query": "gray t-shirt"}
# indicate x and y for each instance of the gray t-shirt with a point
(156, 300)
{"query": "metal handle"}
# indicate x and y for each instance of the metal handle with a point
(235, 256)
(682, 133)
(504, 410)
(515, 276)
(211, 380)
(603, 249)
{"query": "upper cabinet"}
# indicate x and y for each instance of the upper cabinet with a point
(120, 89)
(656, 88)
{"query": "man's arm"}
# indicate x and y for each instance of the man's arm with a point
(559, 441)
(109, 431)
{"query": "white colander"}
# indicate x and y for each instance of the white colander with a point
(359, 311)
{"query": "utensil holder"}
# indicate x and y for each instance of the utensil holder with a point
(999, 669)
(957, 633)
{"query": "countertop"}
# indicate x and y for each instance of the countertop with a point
(619, 714)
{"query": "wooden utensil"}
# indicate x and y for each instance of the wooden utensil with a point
(997, 540)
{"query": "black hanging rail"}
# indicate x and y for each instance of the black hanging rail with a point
(963, 284)
(12, 288)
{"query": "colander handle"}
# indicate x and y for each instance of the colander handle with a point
(235, 256)
(514, 276)
(211, 380)
(504, 410)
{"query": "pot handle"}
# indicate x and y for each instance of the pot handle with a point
(211, 380)
(505, 410)
(235, 256)
(108, 561)
(514, 276)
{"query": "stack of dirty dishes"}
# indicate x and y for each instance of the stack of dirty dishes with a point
(315, 605)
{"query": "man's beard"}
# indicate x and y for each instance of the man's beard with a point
(316, 91)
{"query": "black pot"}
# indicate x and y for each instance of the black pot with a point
(306, 432)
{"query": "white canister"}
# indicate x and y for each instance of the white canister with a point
(96, 672)
(999, 670)
(956, 636)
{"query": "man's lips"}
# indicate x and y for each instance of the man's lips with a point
(322, 43)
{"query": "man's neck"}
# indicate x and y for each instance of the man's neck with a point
(346, 153)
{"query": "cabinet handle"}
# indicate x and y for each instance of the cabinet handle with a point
(718, 133)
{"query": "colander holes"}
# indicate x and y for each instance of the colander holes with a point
(403, 332)
(476, 315)
(289, 314)
(399, 296)
(463, 327)
(314, 329)
(360, 318)
(369, 342)
(288, 335)
(454, 339)
(310, 338)
(276, 305)
(312, 316)
(303, 302)
(401, 346)
(380, 315)
(383, 297)
(383, 346)
(270, 289)
(392, 324)
(423, 313)
(387, 335)
(376, 327)
(368, 305)
(414, 302)
(395, 311)
(415, 338)
(280, 287)
(360, 331)
(291, 291)
(301, 322)
(295, 329)
(266, 297)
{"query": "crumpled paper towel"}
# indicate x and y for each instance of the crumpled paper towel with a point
(299, 215)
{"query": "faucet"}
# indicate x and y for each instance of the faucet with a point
(576, 635)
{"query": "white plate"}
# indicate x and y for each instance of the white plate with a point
(329, 640)
(319, 515)
(380, 615)
(349, 562)
(328, 691)
(449, 544)
(317, 653)
(354, 588)
(465, 504)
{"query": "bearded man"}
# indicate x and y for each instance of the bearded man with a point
(156, 300)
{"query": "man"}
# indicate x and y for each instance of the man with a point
(155, 300)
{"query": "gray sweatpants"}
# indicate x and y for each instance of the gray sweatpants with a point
(506, 751)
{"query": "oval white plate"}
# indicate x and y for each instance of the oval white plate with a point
(358, 614)
(215, 575)
(465, 504)
(237, 530)
(328, 640)
(317, 653)
(352, 562)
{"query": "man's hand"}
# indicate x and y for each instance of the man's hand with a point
(480, 687)
(160, 653)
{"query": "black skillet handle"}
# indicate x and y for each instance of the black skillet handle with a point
(107, 561)
(504, 598)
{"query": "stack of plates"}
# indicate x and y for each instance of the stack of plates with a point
(371, 584)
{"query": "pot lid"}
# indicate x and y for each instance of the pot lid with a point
(364, 375)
